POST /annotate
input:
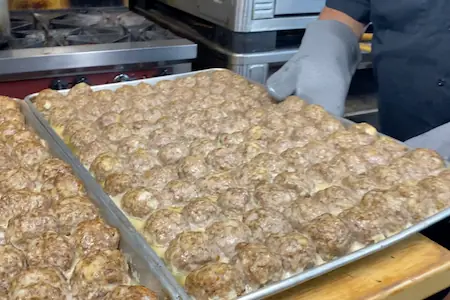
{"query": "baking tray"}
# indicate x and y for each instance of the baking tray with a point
(146, 270)
(170, 283)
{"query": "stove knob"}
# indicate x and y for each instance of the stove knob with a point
(58, 84)
(122, 78)
(80, 79)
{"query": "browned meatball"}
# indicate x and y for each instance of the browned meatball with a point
(428, 159)
(91, 151)
(18, 202)
(437, 189)
(30, 225)
(332, 236)
(23, 136)
(98, 273)
(365, 225)
(116, 132)
(274, 196)
(52, 168)
(303, 210)
(173, 152)
(355, 163)
(119, 183)
(201, 212)
(215, 281)
(82, 137)
(329, 125)
(10, 103)
(373, 155)
(264, 222)
(105, 164)
(336, 199)
(192, 167)
(73, 210)
(251, 149)
(178, 192)
(131, 292)
(224, 159)
(133, 115)
(297, 251)
(261, 132)
(7, 161)
(385, 176)
(343, 140)
(163, 226)
(227, 234)
(103, 96)
(31, 153)
(107, 119)
(256, 115)
(314, 112)
(409, 170)
(306, 134)
(296, 157)
(316, 152)
(39, 283)
(324, 174)
(258, 264)
(189, 251)
(80, 89)
(214, 184)
(142, 161)
(297, 181)
(94, 235)
(10, 128)
(360, 184)
(158, 177)
(140, 202)
(231, 139)
(63, 186)
(131, 144)
(51, 250)
(142, 128)
(235, 202)
(59, 116)
(15, 179)
(388, 144)
(12, 262)
(161, 136)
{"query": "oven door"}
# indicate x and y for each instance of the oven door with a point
(297, 7)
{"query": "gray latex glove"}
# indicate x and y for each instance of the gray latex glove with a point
(437, 139)
(321, 71)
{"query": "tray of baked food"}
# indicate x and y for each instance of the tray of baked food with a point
(58, 239)
(239, 196)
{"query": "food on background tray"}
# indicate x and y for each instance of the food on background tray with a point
(53, 245)
(222, 182)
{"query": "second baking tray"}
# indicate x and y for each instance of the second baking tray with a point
(175, 290)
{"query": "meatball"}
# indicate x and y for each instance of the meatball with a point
(297, 251)
(385, 176)
(103, 96)
(354, 163)
(329, 125)
(296, 157)
(59, 116)
(10, 103)
(164, 225)
(296, 180)
(393, 147)
(18, 202)
(306, 134)
(316, 152)
(264, 222)
(231, 139)
(177, 192)
(428, 159)
(274, 196)
(116, 132)
(94, 235)
(12, 262)
(201, 212)
(30, 225)
(158, 177)
(131, 292)
(336, 199)
(107, 119)
(173, 152)
(31, 153)
(303, 210)
(292, 104)
(39, 283)
(52, 168)
(105, 164)
(81, 89)
(23, 136)
(360, 184)
(364, 224)
(409, 170)
(143, 128)
(258, 264)
(72, 211)
(97, 274)
(81, 138)
(9, 128)
(374, 156)
(235, 202)
(214, 184)
(227, 234)
(133, 115)
(15, 179)
(438, 189)
(119, 183)
(51, 250)
(332, 236)
(140, 202)
(256, 115)
(64, 186)
(192, 167)
(201, 147)
(252, 149)
(91, 151)
(324, 174)
(189, 251)
(161, 136)
(215, 281)
(224, 159)
(314, 112)
(141, 161)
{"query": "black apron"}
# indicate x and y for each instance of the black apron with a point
(411, 49)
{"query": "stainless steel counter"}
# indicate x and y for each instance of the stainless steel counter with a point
(20, 61)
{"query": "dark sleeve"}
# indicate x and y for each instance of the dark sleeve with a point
(357, 9)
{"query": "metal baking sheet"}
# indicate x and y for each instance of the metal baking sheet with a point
(264, 292)
(147, 271)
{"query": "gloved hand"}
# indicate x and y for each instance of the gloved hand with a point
(437, 139)
(321, 71)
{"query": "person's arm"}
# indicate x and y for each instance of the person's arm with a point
(322, 69)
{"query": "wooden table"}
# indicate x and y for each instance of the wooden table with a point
(411, 270)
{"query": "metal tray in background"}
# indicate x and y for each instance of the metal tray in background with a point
(171, 285)
(145, 270)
